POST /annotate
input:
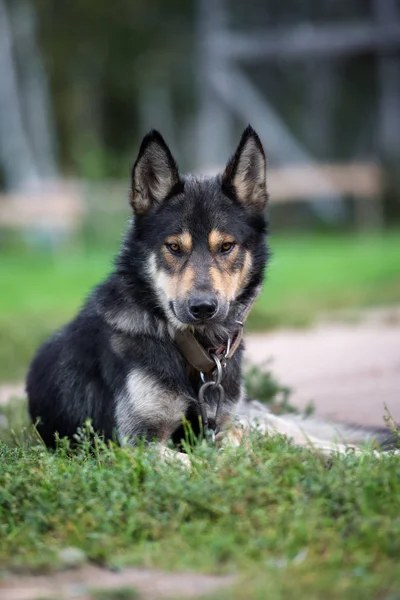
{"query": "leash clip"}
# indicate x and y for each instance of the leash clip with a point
(214, 383)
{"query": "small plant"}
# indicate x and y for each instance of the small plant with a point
(15, 426)
(263, 386)
(121, 593)
(393, 441)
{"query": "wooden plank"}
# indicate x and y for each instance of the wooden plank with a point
(63, 206)
(304, 40)
(57, 206)
(306, 182)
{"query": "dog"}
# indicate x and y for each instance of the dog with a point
(159, 342)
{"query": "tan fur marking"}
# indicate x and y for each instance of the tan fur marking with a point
(226, 281)
(168, 257)
(245, 272)
(215, 240)
(177, 285)
(184, 281)
(185, 241)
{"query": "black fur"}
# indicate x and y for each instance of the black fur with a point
(82, 371)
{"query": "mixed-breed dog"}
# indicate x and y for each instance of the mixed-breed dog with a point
(159, 342)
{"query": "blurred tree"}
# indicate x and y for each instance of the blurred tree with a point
(19, 167)
(100, 57)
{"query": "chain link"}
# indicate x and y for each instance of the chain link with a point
(214, 383)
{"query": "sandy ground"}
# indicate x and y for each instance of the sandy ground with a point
(349, 371)
(76, 584)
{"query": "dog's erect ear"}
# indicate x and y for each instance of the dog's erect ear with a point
(154, 175)
(245, 173)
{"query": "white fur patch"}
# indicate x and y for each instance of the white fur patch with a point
(145, 400)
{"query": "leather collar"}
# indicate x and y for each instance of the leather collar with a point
(197, 356)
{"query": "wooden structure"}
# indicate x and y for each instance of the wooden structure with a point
(363, 183)
(56, 208)
(63, 207)
(226, 93)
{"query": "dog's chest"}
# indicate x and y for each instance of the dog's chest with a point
(146, 403)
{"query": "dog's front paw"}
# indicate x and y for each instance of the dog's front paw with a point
(169, 455)
(230, 438)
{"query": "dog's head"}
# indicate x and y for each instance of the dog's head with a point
(203, 238)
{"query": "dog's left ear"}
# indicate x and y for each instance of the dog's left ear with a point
(245, 173)
(154, 175)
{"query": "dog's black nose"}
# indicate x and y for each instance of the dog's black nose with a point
(203, 307)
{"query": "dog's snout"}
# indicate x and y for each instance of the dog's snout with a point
(202, 308)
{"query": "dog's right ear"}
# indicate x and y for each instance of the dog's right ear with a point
(245, 173)
(155, 174)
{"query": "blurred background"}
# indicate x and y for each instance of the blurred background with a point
(82, 81)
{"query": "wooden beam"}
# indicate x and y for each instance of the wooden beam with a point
(305, 182)
(301, 41)
(363, 182)
(54, 206)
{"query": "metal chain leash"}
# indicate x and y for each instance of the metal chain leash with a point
(215, 384)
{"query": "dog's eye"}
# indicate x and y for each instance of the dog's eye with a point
(227, 247)
(174, 248)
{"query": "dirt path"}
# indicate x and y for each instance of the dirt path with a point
(348, 370)
(11, 390)
(77, 584)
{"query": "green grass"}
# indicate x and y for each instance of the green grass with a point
(290, 523)
(307, 276)
(39, 293)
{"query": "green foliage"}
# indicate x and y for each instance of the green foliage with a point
(281, 516)
(41, 292)
(15, 426)
(99, 62)
(262, 385)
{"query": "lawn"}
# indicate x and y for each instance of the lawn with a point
(289, 523)
(308, 275)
